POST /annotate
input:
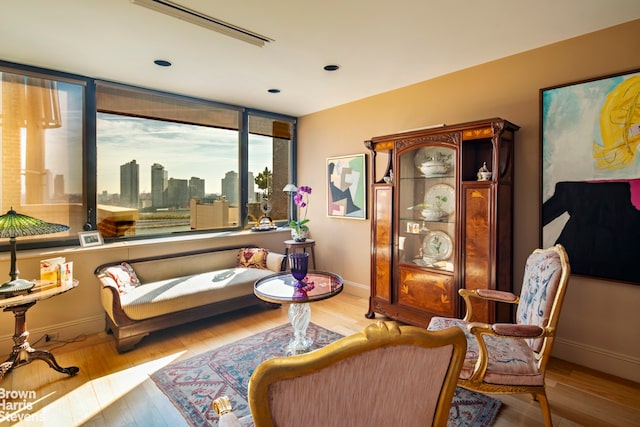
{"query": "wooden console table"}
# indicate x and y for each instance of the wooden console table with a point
(22, 352)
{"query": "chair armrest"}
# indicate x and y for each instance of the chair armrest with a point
(504, 330)
(517, 331)
(500, 296)
(487, 295)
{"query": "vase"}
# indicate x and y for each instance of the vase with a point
(299, 264)
(299, 235)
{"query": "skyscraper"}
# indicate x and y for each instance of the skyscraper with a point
(230, 187)
(177, 193)
(159, 182)
(251, 186)
(129, 184)
(196, 188)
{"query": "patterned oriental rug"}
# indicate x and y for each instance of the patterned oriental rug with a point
(194, 383)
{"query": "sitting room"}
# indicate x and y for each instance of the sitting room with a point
(162, 160)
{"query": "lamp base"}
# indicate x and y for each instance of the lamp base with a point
(16, 286)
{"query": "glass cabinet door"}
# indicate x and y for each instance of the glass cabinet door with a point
(426, 182)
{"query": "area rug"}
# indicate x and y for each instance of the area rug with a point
(192, 384)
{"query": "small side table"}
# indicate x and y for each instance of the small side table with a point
(22, 352)
(294, 246)
(280, 288)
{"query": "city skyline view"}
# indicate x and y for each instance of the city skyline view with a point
(185, 151)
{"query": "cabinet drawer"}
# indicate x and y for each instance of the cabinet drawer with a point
(428, 291)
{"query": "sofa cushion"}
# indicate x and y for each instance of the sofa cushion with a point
(253, 258)
(181, 293)
(124, 277)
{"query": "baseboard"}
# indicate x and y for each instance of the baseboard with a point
(357, 289)
(66, 331)
(620, 365)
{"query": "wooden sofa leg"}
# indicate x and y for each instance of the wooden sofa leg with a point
(128, 343)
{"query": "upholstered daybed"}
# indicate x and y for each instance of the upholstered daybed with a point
(144, 295)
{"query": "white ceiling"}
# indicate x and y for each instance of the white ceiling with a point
(380, 44)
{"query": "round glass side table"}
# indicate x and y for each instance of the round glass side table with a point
(280, 288)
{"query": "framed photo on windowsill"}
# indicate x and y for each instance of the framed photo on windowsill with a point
(90, 238)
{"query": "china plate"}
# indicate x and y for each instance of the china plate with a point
(442, 196)
(437, 245)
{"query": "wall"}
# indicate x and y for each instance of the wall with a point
(599, 319)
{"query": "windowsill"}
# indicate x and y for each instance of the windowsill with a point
(28, 253)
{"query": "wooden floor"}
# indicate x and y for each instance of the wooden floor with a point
(114, 389)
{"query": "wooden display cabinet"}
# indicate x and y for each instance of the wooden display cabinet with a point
(438, 225)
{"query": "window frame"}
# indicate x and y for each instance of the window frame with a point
(89, 162)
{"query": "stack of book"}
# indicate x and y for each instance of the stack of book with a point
(56, 271)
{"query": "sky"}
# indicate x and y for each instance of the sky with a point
(185, 151)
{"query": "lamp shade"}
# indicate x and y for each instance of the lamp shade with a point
(13, 224)
(290, 188)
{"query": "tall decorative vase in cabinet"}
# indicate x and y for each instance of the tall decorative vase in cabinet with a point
(442, 219)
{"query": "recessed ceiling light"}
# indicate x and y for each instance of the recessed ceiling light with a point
(162, 63)
(273, 90)
(331, 67)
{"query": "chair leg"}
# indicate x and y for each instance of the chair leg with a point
(546, 410)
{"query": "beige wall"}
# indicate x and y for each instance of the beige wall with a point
(599, 318)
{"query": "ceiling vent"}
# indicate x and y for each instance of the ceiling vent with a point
(177, 11)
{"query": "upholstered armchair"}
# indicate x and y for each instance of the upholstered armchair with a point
(387, 374)
(512, 358)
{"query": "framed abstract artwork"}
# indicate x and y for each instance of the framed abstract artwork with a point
(590, 161)
(346, 187)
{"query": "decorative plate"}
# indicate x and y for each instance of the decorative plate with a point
(442, 196)
(437, 245)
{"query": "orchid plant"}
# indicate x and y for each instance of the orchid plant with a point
(301, 199)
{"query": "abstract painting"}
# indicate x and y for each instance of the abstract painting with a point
(591, 174)
(346, 189)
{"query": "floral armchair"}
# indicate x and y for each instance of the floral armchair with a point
(387, 374)
(512, 358)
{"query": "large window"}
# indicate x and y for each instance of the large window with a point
(157, 176)
(269, 151)
(131, 162)
(169, 164)
(42, 124)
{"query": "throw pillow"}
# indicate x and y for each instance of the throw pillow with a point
(124, 276)
(253, 258)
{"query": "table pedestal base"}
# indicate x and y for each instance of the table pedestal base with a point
(22, 353)
(299, 316)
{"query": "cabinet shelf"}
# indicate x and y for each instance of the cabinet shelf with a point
(428, 178)
(420, 219)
